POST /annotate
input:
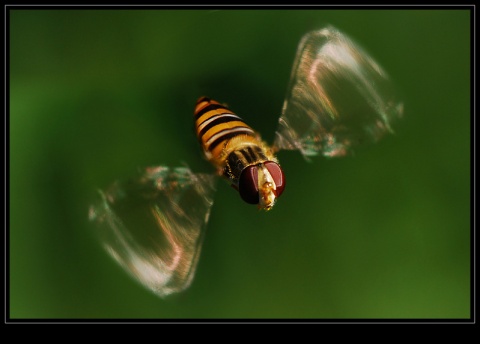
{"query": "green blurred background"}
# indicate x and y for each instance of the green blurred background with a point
(96, 94)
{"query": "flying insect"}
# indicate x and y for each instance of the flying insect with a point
(153, 224)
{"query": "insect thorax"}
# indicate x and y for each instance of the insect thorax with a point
(242, 156)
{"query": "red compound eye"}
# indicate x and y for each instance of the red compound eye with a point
(277, 175)
(248, 185)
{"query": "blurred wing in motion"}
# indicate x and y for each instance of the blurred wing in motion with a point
(154, 225)
(338, 97)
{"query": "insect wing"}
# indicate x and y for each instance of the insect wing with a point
(153, 225)
(338, 97)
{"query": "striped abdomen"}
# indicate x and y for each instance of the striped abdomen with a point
(217, 128)
(238, 153)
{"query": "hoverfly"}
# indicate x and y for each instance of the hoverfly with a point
(153, 225)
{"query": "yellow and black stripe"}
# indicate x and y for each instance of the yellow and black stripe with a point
(216, 125)
(227, 141)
